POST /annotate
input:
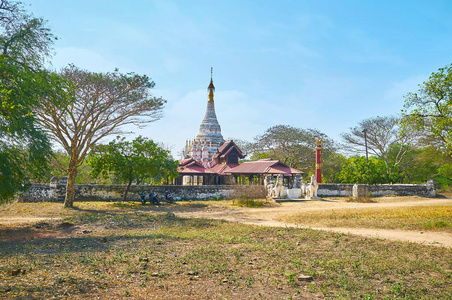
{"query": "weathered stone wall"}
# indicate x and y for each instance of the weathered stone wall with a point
(54, 192)
(46, 192)
(377, 190)
(335, 190)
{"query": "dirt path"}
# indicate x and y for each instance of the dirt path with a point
(270, 216)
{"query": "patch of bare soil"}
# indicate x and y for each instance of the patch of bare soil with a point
(271, 216)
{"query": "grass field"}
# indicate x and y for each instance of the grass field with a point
(424, 218)
(126, 251)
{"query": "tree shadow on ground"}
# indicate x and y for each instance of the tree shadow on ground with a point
(443, 196)
(138, 207)
(163, 207)
(91, 235)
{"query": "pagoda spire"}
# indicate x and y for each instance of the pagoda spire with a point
(210, 130)
(211, 87)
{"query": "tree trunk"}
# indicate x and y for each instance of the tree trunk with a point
(70, 186)
(127, 190)
(408, 177)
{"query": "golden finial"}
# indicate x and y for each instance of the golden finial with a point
(319, 141)
(211, 87)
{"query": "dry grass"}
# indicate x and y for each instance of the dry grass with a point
(431, 218)
(249, 192)
(39, 209)
(251, 196)
(124, 250)
(56, 210)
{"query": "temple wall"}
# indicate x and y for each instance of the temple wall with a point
(85, 192)
(54, 192)
(377, 190)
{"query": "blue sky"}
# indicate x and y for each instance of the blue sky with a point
(310, 64)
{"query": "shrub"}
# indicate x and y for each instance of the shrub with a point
(249, 192)
(249, 195)
(250, 202)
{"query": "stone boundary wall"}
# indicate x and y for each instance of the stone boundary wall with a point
(377, 190)
(84, 192)
(53, 192)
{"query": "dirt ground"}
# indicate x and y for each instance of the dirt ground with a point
(271, 216)
(124, 249)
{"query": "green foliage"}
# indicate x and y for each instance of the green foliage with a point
(262, 155)
(444, 176)
(12, 173)
(128, 161)
(100, 104)
(357, 170)
(383, 138)
(332, 166)
(423, 164)
(61, 159)
(430, 109)
(24, 148)
(293, 146)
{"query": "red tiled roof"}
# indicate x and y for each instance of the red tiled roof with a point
(278, 169)
(224, 146)
(194, 170)
(183, 162)
(197, 168)
(188, 162)
(221, 169)
(191, 166)
(263, 166)
(230, 149)
(228, 144)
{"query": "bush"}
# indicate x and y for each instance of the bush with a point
(249, 192)
(358, 170)
(249, 195)
(250, 202)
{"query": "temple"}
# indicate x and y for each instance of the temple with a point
(209, 139)
(194, 172)
(209, 159)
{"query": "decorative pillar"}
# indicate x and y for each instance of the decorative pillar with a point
(318, 161)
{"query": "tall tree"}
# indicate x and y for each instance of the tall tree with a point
(128, 161)
(426, 163)
(25, 44)
(357, 170)
(384, 137)
(101, 104)
(332, 166)
(430, 109)
(293, 146)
